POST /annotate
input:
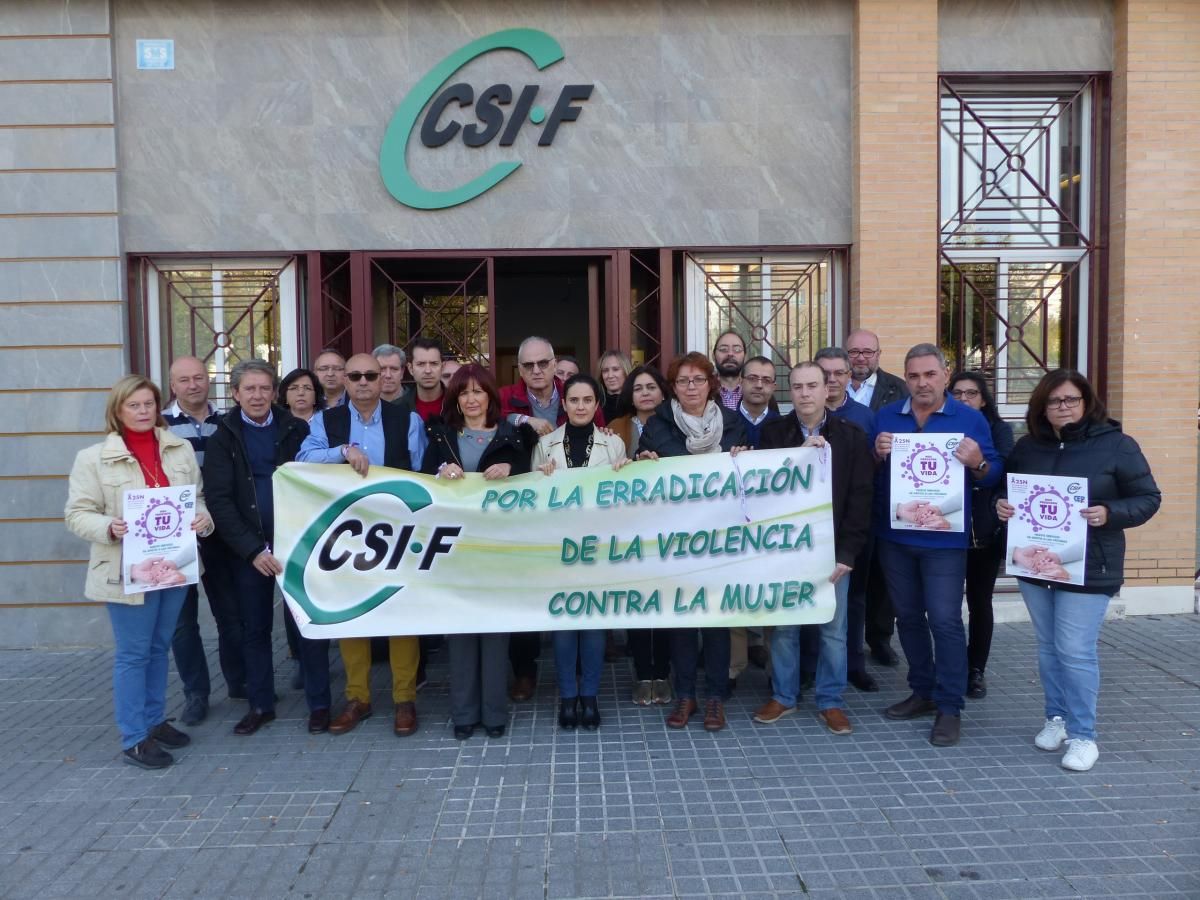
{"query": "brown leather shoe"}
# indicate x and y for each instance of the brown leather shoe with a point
(683, 711)
(522, 688)
(835, 720)
(406, 719)
(714, 715)
(353, 713)
(772, 711)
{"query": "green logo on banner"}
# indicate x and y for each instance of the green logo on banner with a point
(490, 107)
(413, 496)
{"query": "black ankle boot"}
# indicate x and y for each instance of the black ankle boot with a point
(568, 716)
(589, 718)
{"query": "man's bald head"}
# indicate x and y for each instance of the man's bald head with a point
(189, 384)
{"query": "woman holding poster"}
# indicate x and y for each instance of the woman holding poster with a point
(474, 437)
(690, 423)
(987, 542)
(137, 452)
(1071, 435)
(577, 443)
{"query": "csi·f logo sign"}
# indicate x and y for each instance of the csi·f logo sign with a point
(501, 112)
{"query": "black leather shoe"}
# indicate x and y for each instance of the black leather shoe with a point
(976, 685)
(318, 721)
(568, 715)
(885, 655)
(148, 755)
(494, 731)
(864, 681)
(462, 732)
(589, 717)
(169, 736)
(912, 708)
(252, 721)
(945, 730)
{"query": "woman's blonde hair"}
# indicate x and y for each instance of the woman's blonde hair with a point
(122, 391)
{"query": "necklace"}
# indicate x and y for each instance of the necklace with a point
(587, 451)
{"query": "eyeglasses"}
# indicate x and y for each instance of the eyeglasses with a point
(1063, 402)
(969, 393)
(326, 369)
(759, 379)
(540, 364)
(865, 354)
(359, 376)
(694, 381)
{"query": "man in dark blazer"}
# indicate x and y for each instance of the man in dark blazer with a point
(869, 384)
(873, 387)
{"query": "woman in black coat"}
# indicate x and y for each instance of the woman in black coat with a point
(1070, 434)
(474, 437)
(692, 422)
(987, 534)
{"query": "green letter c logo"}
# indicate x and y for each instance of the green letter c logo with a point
(541, 49)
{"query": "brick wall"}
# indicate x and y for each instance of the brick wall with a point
(1154, 326)
(893, 282)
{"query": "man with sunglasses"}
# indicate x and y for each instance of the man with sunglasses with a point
(535, 400)
(870, 385)
(368, 432)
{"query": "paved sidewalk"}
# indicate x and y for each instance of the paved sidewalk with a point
(631, 811)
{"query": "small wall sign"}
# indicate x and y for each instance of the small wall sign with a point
(155, 53)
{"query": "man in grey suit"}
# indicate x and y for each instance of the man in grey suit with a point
(869, 384)
(873, 387)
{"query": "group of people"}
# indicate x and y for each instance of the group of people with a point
(454, 421)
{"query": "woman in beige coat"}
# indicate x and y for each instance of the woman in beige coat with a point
(576, 444)
(137, 452)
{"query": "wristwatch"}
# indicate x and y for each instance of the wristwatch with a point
(982, 467)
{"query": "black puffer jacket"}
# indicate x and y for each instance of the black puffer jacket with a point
(665, 438)
(1119, 478)
(511, 444)
(985, 524)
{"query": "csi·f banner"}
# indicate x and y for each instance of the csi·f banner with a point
(686, 542)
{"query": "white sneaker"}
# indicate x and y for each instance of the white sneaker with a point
(1052, 735)
(1081, 755)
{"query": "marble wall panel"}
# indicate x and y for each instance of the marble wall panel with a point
(57, 148)
(63, 410)
(61, 583)
(77, 625)
(60, 279)
(58, 236)
(21, 541)
(704, 123)
(58, 192)
(56, 104)
(60, 323)
(38, 498)
(69, 367)
(1025, 35)
(55, 17)
(55, 59)
(41, 454)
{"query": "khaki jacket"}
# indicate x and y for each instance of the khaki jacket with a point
(95, 496)
(607, 449)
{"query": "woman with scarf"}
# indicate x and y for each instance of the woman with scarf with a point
(692, 422)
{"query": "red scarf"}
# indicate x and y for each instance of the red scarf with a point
(144, 447)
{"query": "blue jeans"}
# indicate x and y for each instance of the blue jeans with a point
(588, 647)
(142, 635)
(1067, 624)
(926, 587)
(786, 657)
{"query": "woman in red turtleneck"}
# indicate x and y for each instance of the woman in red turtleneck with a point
(137, 452)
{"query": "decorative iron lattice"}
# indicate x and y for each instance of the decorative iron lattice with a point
(646, 290)
(780, 306)
(336, 307)
(1018, 213)
(446, 300)
(223, 316)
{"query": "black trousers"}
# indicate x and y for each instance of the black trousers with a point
(651, 648)
(880, 623)
(983, 568)
(524, 647)
(256, 600)
(186, 644)
(685, 660)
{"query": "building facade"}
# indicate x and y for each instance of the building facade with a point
(1019, 181)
